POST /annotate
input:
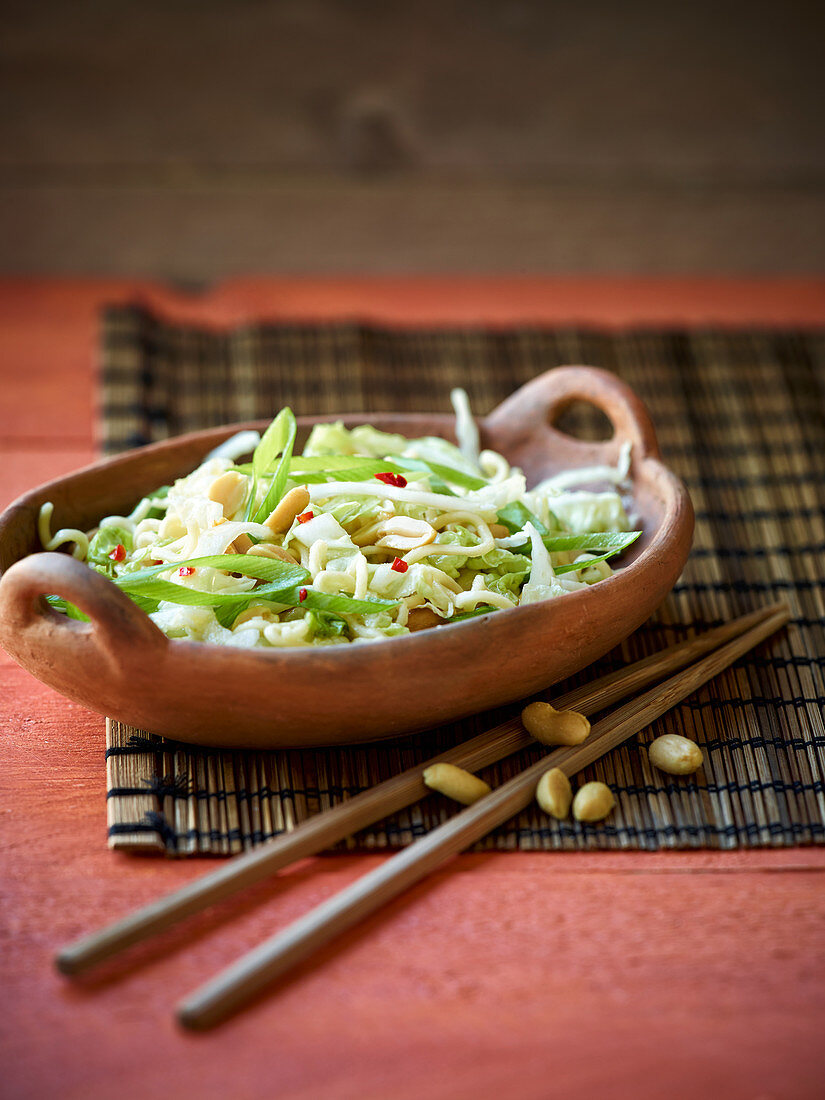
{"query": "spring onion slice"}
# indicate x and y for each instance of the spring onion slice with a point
(169, 592)
(340, 605)
(597, 540)
(473, 613)
(574, 567)
(68, 609)
(315, 469)
(264, 569)
(147, 589)
(445, 473)
(346, 468)
(278, 439)
(515, 515)
(309, 600)
(612, 541)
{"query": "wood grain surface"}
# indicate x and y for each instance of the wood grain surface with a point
(680, 974)
(200, 141)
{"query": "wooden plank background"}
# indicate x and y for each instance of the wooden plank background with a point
(309, 136)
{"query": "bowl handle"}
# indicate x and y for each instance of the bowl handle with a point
(529, 413)
(119, 630)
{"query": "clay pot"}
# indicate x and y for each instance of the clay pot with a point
(121, 665)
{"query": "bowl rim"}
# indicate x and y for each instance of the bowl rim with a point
(676, 501)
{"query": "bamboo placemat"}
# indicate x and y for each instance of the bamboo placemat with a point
(740, 417)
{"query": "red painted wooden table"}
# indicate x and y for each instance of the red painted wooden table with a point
(523, 975)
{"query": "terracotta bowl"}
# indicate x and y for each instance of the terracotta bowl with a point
(121, 665)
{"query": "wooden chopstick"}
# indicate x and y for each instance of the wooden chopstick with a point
(362, 810)
(236, 984)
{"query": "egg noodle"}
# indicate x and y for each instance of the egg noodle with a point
(393, 535)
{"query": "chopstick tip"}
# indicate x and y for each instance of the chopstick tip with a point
(190, 1017)
(66, 963)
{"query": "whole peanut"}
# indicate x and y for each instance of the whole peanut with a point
(254, 612)
(593, 802)
(422, 618)
(555, 727)
(242, 544)
(282, 517)
(554, 793)
(266, 550)
(675, 755)
(455, 783)
(229, 490)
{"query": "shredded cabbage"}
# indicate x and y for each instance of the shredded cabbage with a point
(345, 542)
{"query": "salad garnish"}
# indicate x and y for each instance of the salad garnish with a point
(366, 535)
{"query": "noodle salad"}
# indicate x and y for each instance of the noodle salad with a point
(367, 535)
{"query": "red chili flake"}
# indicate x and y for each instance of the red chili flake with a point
(399, 565)
(119, 552)
(302, 595)
(398, 480)
(186, 571)
(305, 517)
